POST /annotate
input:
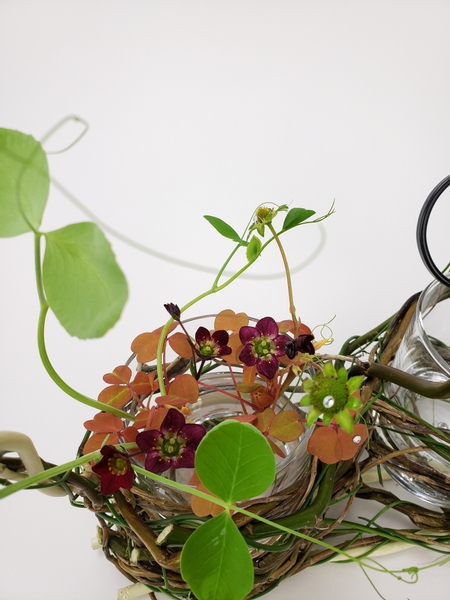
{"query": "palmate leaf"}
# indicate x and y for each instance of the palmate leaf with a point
(216, 562)
(84, 285)
(24, 182)
(234, 462)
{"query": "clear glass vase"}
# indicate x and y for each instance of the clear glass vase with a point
(424, 352)
(218, 402)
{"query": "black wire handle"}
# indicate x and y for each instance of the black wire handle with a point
(421, 232)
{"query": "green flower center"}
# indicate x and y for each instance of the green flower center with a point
(171, 447)
(263, 347)
(329, 395)
(208, 348)
(117, 465)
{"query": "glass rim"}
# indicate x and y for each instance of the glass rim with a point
(433, 291)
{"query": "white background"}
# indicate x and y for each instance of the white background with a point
(212, 108)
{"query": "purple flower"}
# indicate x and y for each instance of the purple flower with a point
(302, 344)
(173, 446)
(262, 346)
(115, 471)
(211, 346)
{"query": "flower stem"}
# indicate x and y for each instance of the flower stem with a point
(288, 279)
(43, 350)
(38, 269)
(212, 290)
(65, 387)
(306, 517)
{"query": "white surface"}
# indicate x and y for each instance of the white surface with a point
(211, 108)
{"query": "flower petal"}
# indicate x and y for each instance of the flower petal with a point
(224, 351)
(193, 434)
(186, 460)
(155, 463)
(313, 415)
(342, 375)
(354, 384)
(173, 421)
(221, 337)
(304, 344)
(248, 333)
(329, 370)
(247, 357)
(280, 344)
(202, 335)
(268, 367)
(345, 421)
(267, 326)
(306, 400)
(148, 440)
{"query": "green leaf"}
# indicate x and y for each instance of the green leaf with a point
(235, 462)
(24, 182)
(253, 249)
(296, 216)
(216, 562)
(224, 229)
(84, 285)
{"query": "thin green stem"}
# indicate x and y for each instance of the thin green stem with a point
(356, 342)
(288, 278)
(212, 290)
(304, 517)
(65, 387)
(38, 269)
(224, 266)
(48, 474)
(273, 526)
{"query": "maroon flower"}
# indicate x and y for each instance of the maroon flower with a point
(173, 446)
(115, 471)
(302, 344)
(211, 346)
(262, 346)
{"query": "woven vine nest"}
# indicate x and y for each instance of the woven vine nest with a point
(147, 549)
(142, 531)
(136, 553)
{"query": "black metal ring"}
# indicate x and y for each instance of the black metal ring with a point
(421, 232)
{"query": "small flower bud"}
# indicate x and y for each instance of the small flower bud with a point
(265, 215)
(173, 310)
(302, 344)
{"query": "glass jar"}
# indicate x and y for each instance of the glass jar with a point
(423, 352)
(218, 402)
